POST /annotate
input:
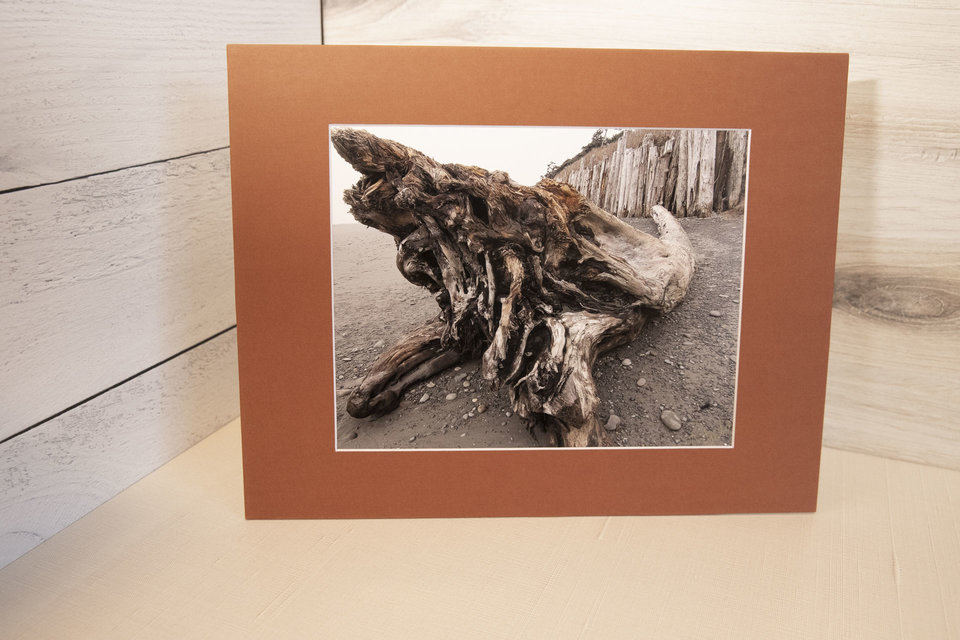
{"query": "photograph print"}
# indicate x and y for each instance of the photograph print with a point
(536, 287)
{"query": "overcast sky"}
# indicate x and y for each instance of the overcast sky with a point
(523, 152)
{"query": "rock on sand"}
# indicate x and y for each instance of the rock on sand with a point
(671, 420)
(612, 422)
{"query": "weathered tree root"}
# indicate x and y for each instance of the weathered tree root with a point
(537, 281)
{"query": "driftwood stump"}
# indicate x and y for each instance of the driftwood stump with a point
(536, 281)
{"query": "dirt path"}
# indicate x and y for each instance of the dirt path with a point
(687, 359)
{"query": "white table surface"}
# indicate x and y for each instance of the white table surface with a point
(173, 557)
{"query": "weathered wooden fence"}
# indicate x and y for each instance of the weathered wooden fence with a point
(692, 172)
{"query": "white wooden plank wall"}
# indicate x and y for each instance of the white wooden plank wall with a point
(895, 350)
(135, 263)
(92, 85)
(60, 470)
(116, 275)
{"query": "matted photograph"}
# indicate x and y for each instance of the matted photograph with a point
(502, 281)
(530, 287)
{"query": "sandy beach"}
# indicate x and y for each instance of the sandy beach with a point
(684, 361)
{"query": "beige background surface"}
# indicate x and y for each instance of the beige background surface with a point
(172, 557)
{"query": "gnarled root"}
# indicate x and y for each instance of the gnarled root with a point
(536, 280)
(418, 356)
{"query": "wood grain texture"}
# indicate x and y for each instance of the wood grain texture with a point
(893, 380)
(97, 85)
(173, 557)
(59, 471)
(103, 277)
(894, 358)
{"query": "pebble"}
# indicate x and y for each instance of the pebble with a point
(412, 438)
(641, 382)
(626, 362)
(379, 343)
(342, 393)
(671, 420)
(508, 413)
(466, 416)
(346, 359)
(424, 398)
(451, 396)
(612, 422)
(466, 385)
(430, 385)
(715, 314)
(481, 408)
(687, 343)
(459, 377)
(456, 368)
